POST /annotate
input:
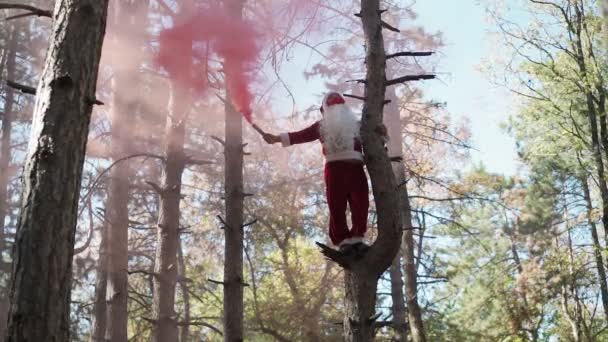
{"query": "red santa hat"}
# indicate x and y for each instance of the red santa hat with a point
(332, 99)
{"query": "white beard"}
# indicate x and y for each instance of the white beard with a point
(339, 128)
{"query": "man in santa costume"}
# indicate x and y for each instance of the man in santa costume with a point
(345, 180)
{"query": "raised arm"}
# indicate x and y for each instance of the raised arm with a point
(308, 134)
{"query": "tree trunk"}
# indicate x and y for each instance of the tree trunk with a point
(234, 195)
(117, 211)
(597, 249)
(233, 263)
(393, 122)
(360, 305)
(5, 159)
(100, 314)
(185, 327)
(165, 273)
(411, 275)
(592, 115)
(399, 323)
(361, 276)
(44, 245)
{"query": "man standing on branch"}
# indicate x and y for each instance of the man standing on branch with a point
(345, 180)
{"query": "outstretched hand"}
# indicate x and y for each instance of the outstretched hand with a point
(271, 138)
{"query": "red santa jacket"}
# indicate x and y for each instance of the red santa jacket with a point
(313, 133)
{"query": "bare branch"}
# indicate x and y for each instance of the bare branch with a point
(202, 324)
(156, 187)
(31, 10)
(354, 97)
(221, 141)
(410, 54)
(250, 223)
(21, 87)
(389, 27)
(32, 91)
(410, 78)
(222, 221)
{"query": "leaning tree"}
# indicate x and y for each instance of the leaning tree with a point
(44, 245)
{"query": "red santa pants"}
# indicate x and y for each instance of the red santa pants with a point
(345, 182)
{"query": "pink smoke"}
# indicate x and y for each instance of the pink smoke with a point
(233, 40)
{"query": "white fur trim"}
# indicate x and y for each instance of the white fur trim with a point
(285, 139)
(347, 155)
(339, 129)
(351, 241)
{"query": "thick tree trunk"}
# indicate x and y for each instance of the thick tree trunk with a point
(361, 276)
(165, 278)
(360, 305)
(597, 248)
(44, 245)
(100, 314)
(5, 159)
(234, 195)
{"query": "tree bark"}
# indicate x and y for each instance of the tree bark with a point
(165, 272)
(5, 159)
(234, 195)
(44, 245)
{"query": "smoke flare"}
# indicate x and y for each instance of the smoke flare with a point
(233, 40)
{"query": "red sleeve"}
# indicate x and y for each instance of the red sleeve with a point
(308, 134)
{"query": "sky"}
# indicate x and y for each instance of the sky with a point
(467, 92)
(465, 89)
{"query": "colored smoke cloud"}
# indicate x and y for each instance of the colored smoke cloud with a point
(233, 40)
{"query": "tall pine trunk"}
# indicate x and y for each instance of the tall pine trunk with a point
(411, 275)
(117, 212)
(100, 314)
(128, 24)
(165, 271)
(416, 327)
(5, 159)
(234, 195)
(44, 245)
(184, 334)
(233, 263)
(597, 248)
(592, 112)
(393, 122)
(399, 324)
